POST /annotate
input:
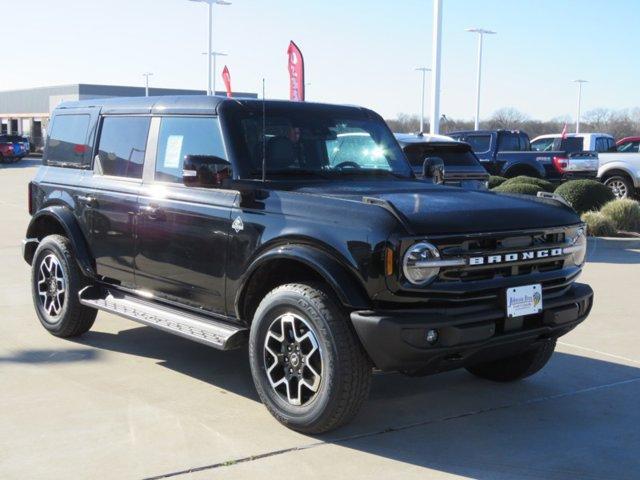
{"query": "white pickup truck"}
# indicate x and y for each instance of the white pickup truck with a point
(619, 163)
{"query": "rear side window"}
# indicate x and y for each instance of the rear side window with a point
(67, 142)
(508, 142)
(122, 146)
(479, 143)
(601, 144)
(181, 136)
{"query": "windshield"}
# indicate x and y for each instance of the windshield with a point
(315, 140)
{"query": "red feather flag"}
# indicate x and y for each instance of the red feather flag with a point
(226, 76)
(296, 73)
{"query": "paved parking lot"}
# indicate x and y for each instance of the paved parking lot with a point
(126, 401)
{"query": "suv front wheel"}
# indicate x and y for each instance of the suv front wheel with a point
(56, 280)
(309, 368)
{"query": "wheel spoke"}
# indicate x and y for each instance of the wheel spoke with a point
(51, 286)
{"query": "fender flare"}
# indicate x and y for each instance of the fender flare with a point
(533, 165)
(64, 217)
(344, 283)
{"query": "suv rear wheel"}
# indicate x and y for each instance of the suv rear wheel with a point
(56, 280)
(515, 367)
(307, 364)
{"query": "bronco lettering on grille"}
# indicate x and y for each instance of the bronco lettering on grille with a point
(514, 257)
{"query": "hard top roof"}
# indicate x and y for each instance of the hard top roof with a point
(181, 104)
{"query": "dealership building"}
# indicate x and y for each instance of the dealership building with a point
(26, 112)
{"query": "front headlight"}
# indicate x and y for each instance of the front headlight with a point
(578, 248)
(416, 263)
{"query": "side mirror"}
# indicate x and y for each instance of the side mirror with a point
(205, 171)
(433, 167)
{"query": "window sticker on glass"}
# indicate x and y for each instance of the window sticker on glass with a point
(172, 153)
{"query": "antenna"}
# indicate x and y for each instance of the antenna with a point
(264, 135)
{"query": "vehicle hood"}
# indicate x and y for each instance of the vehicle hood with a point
(435, 209)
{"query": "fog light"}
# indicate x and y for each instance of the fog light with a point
(432, 336)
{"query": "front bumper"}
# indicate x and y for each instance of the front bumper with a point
(396, 340)
(579, 175)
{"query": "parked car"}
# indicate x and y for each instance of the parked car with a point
(13, 147)
(595, 142)
(230, 222)
(628, 145)
(448, 161)
(619, 164)
(508, 153)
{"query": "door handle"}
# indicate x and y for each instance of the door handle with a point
(87, 200)
(150, 211)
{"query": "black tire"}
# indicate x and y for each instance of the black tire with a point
(515, 367)
(72, 318)
(621, 186)
(345, 373)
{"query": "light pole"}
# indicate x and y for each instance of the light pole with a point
(146, 76)
(435, 64)
(211, 3)
(215, 55)
(579, 82)
(481, 33)
(424, 71)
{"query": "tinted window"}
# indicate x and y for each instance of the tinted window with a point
(542, 145)
(569, 144)
(479, 143)
(181, 136)
(12, 138)
(67, 140)
(611, 145)
(508, 142)
(628, 147)
(122, 146)
(601, 144)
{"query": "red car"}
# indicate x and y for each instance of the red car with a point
(13, 148)
(628, 144)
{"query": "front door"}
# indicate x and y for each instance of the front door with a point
(183, 231)
(112, 193)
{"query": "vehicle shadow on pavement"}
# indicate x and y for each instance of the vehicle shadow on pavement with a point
(51, 356)
(577, 418)
(613, 250)
(227, 370)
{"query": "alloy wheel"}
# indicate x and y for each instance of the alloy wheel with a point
(293, 359)
(51, 286)
(618, 187)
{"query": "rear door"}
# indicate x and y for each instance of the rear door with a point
(113, 195)
(183, 231)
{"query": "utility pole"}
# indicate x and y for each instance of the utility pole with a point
(435, 64)
(424, 71)
(579, 82)
(146, 76)
(481, 33)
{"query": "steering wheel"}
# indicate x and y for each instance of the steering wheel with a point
(342, 165)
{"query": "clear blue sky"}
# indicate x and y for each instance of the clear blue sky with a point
(357, 51)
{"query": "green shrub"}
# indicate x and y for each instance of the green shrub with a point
(585, 195)
(624, 213)
(545, 185)
(496, 181)
(521, 188)
(599, 225)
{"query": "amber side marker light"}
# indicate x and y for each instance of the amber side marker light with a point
(388, 261)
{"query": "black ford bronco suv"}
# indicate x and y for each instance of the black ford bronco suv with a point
(233, 222)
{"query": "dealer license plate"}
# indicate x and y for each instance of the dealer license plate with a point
(526, 300)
